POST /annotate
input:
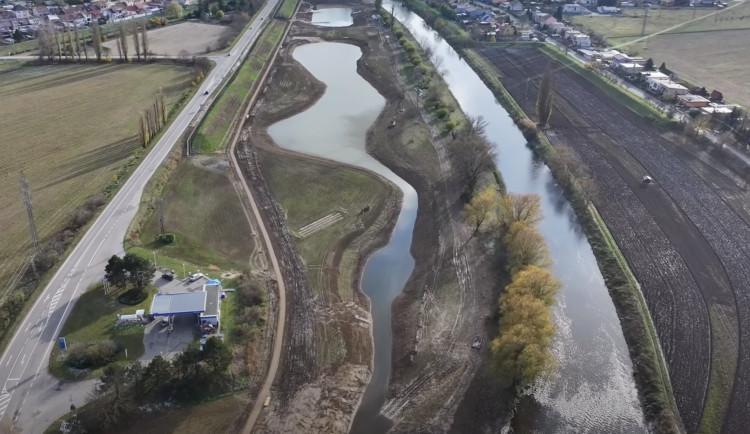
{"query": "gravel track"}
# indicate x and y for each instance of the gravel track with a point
(686, 245)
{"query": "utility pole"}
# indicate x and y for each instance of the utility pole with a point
(160, 204)
(32, 225)
(645, 18)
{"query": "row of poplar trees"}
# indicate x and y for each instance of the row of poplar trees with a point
(152, 120)
(71, 44)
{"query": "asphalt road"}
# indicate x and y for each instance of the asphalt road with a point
(31, 398)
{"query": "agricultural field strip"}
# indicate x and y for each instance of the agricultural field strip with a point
(320, 224)
(633, 226)
(729, 239)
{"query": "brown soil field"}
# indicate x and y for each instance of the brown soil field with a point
(69, 128)
(686, 236)
(184, 39)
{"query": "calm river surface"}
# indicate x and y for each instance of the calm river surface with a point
(594, 390)
(335, 128)
(332, 17)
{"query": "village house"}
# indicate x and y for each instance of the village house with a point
(670, 88)
(516, 6)
(578, 39)
(630, 68)
(692, 101)
(539, 16)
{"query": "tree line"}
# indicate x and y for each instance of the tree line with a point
(71, 44)
(127, 392)
(521, 352)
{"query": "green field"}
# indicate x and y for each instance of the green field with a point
(287, 9)
(202, 208)
(213, 134)
(308, 191)
(93, 320)
(69, 129)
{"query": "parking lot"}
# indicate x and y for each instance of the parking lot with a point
(157, 338)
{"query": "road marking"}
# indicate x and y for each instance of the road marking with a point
(23, 359)
(4, 401)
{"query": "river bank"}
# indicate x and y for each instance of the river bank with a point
(584, 383)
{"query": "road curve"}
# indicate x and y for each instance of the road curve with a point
(31, 398)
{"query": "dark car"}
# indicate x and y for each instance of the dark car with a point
(168, 276)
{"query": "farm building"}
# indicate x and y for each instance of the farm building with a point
(718, 109)
(690, 100)
(672, 88)
(609, 10)
(630, 68)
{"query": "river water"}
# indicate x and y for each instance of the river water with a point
(335, 128)
(594, 390)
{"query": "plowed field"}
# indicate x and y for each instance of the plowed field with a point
(685, 236)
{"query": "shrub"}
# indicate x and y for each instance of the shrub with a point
(528, 128)
(92, 356)
(167, 238)
(442, 113)
(399, 33)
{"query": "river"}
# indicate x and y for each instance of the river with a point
(594, 390)
(335, 128)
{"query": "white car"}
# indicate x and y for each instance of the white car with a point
(195, 276)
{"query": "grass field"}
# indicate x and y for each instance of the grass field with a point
(711, 36)
(69, 128)
(308, 191)
(214, 131)
(202, 208)
(287, 9)
(93, 320)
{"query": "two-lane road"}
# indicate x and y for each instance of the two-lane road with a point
(30, 398)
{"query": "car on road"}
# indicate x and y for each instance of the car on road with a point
(205, 93)
(195, 276)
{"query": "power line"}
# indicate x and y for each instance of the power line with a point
(30, 213)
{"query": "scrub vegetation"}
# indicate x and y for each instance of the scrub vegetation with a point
(286, 11)
(214, 131)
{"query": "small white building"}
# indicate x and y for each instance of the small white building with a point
(574, 9)
(630, 68)
(671, 88)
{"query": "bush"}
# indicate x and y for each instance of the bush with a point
(133, 297)
(92, 356)
(399, 33)
(442, 113)
(167, 238)
(528, 128)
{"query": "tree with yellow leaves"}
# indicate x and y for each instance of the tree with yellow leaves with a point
(534, 281)
(525, 246)
(480, 212)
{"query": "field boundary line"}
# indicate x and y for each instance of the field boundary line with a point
(642, 306)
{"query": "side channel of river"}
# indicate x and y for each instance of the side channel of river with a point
(594, 390)
(335, 128)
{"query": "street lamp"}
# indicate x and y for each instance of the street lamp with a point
(154, 252)
(183, 271)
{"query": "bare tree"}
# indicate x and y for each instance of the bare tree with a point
(57, 44)
(78, 43)
(144, 38)
(44, 42)
(123, 35)
(136, 42)
(96, 40)
(475, 126)
(470, 156)
(544, 99)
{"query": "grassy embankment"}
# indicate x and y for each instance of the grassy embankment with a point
(92, 321)
(308, 191)
(83, 164)
(652, 376)
(286, 11)
(213, 133)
